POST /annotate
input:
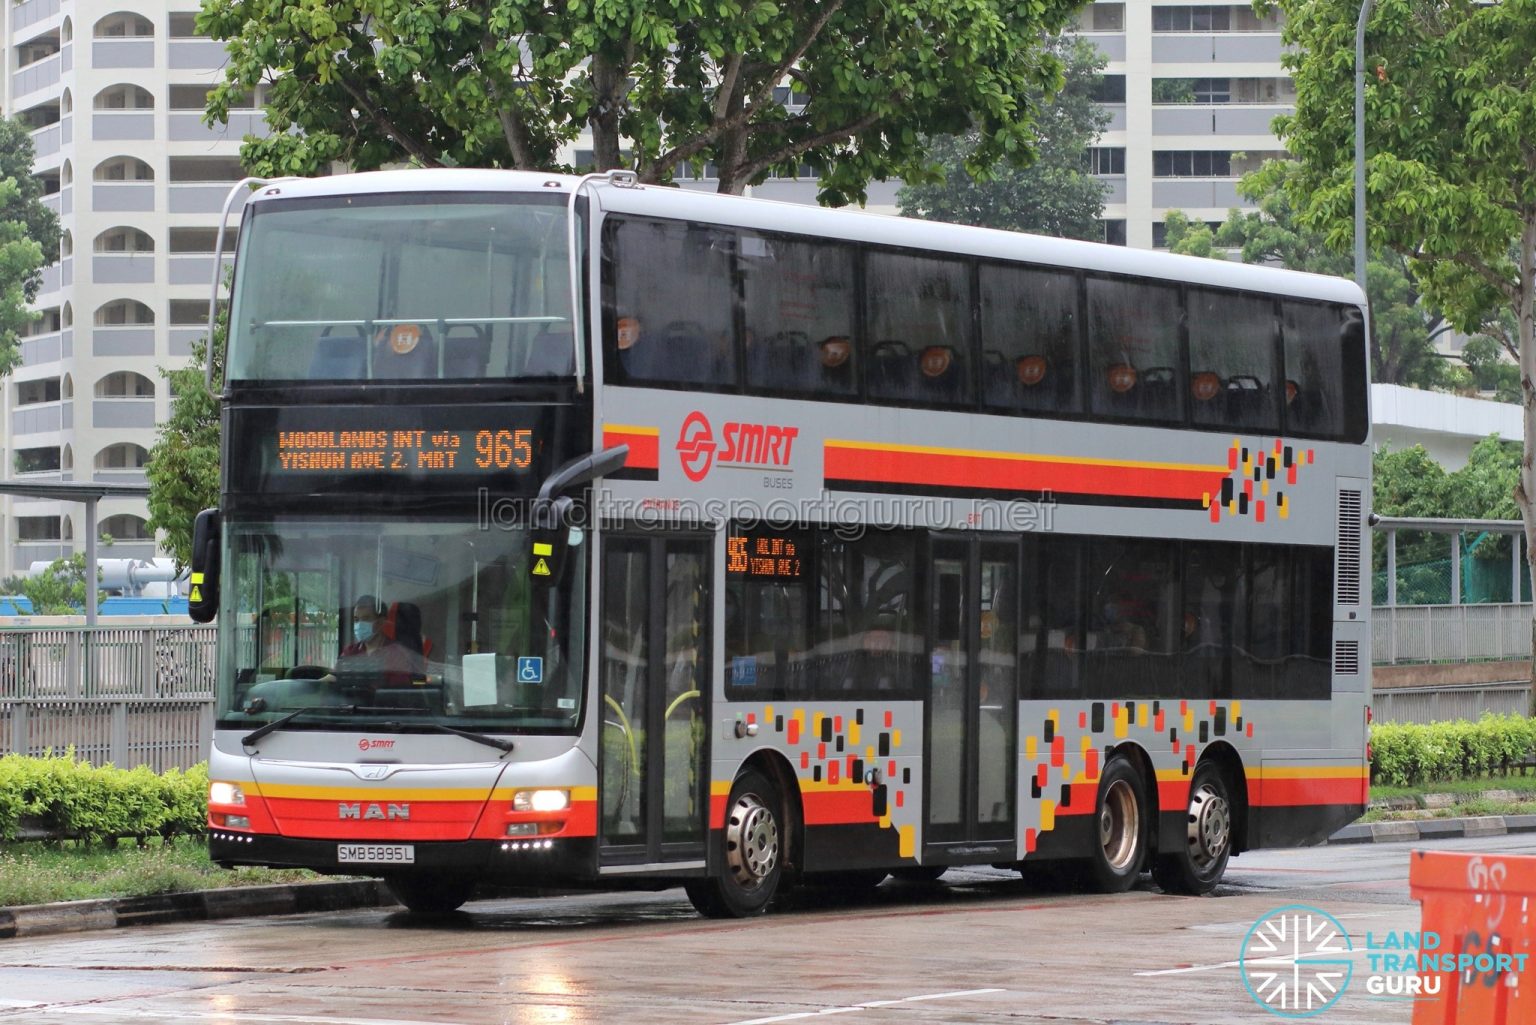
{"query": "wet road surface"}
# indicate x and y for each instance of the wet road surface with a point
(981, 947)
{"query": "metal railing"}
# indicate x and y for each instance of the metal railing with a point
(1450, 633)
(125, 695)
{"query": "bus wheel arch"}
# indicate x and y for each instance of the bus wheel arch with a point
(777, 769)
(754, 859)
(1125, 808)
(1195, 856)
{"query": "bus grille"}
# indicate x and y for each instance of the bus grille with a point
(1346, 658)
(1349, 547)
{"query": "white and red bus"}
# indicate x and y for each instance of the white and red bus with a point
(800, 544)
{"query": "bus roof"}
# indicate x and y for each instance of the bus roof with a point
(852, 225)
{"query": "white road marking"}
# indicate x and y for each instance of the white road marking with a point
(20, 1003)
(1233, 964)
(866, 1006)
(147, 1014)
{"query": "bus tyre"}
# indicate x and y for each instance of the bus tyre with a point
(753, 859)
(1199, 864)
(1121, 816)
(429, 895)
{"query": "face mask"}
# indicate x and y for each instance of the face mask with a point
(362, 631)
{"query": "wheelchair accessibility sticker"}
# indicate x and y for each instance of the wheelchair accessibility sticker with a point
(530, 669)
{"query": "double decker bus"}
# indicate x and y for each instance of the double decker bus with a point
(576, 532)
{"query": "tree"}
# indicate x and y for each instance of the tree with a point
(1451, 170)
(661, 84)
(1190, 238)
(59, 590)
(1054, 195)
(183, 470)
(29, 238)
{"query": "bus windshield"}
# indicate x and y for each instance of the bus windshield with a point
(441, 286)
(423, 621)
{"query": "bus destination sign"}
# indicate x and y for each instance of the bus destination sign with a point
(762, 555)
(412, 451)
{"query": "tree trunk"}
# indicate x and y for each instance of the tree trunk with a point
(1525, 287)
(608, 83)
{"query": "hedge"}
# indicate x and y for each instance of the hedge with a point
(1412, 754)
(68, 798)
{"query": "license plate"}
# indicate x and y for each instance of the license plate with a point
(376, 853)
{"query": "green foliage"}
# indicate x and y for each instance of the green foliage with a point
(59, 590)
(1190, 238)
(660, 84)
(1173, 90)
(1490, 370)
(29, 237)
(183, 471)
(72, 798)
(1412, 754)
(1054, 195)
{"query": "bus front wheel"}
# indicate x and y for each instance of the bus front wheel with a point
(429, 895)
(753, 858)
(1122, 828)
(1199, 864)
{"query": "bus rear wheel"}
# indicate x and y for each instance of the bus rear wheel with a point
(753, 858)
(1200, 863)
(430, 895)
(1120, 814)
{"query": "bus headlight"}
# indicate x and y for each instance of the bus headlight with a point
(225, 793)
(541, 800)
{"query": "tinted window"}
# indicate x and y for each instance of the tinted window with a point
(867, 634)
(767, 603)
(1052, 637)
(1232, 361)
(919, 329)
(1133, 346)
(671, 302)
(799, 308)
(1134, 617)
(1029, 330)
(1324, 370)
(1214, 615)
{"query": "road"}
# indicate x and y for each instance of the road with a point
(982, 947)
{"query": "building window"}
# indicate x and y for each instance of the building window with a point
(1110, 89)
(1107, 17)
(1191, 164)
(1191, 19)
(1213, 90)
(38, 528)
(37, 460)
(126, 527)
(32, 392)
(1106, 160)
(1114, 230)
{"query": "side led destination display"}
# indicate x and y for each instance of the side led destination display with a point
(762, 556)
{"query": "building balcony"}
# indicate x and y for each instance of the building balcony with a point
(37, 418)
(52, 278)
(25, 553)
(122, 475)
(122, 413)
(187, 126)
(197, 55)
(182, 338)
(123, 268)
(1216, 48)
(125, 340)
(1216, 118)
(45, 140)
(123, 53)
(195, 269)
(202, 197)
(123, 125)
(1195, 193)
(36, 77)
(1110, 44)
(40, 349)
(1116, 183)
(123, 197)
(31, 12)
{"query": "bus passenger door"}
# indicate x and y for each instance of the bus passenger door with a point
(655, 691)
(972, 702)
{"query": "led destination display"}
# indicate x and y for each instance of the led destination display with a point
(418, 451)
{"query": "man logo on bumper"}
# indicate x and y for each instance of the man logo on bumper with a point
(388, 813)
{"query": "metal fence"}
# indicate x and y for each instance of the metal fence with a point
(125, 695)
(1450, 633)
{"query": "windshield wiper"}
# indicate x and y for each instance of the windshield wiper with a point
(479, 738)
(277, 724)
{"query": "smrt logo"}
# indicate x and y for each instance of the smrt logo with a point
(373, 745)
(746, 446)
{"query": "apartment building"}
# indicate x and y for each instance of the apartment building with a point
(115, 99)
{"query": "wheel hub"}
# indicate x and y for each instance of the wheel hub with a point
(751, 841)
(1120, 826)
(1210, 826)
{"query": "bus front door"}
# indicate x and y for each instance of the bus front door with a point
(655, 691)
(972, 702)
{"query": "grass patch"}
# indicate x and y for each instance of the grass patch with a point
(1468, 809)
(1519, 784)
(41, 873)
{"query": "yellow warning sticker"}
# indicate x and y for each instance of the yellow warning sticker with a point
(539, 548)
(197, 578)
(197, 593)
(540, 569)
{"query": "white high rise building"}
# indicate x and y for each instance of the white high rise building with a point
(116, 99)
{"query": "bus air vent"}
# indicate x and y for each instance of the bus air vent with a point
(1346, 658)
(1349, 547)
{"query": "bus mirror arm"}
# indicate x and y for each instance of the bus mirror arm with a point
(580, 470)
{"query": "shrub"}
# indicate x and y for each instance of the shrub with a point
(71, 798)
(1412, 754)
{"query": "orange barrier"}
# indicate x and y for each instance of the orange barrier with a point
(1477, 930)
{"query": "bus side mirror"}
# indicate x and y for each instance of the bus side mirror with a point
(549, 539)
(203, 599)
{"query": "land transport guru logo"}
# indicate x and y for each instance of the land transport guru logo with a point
(742, 446)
